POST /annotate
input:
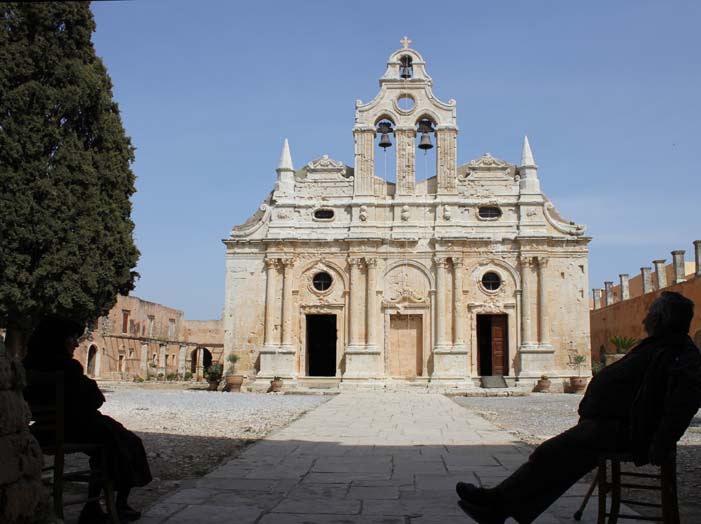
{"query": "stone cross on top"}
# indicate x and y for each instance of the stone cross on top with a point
(405, 42)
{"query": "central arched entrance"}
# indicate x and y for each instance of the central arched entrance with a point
(92, 358)
(200, 359)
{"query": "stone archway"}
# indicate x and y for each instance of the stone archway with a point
(91, 366)
(200, 359)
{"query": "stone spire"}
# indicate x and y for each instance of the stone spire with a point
(285, 158)
(526, 154)
(528, 170)
(285, 172)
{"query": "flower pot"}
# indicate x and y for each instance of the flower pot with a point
(578, 384)
(543, 385)
(233, 382)
(213, 385)
(275, 385)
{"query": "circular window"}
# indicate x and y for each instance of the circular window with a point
(491, 281)
(492, 212)
(322, 281)
(405, 103)
(323, 214)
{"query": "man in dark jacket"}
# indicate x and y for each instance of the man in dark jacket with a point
(641, 404)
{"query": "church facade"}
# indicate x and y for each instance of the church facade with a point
(374, 280)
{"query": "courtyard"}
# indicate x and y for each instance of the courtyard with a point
(353, 457)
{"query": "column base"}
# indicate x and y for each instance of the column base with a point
(363, 362)
(450, 362)
(277, 361)
(535, 359)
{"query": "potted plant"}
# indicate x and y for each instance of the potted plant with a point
(233, 381)
(543, 384)
(213, 374)
(276, 384)
(622, 345)
(578, 383)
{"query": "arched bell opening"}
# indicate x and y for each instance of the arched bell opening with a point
(426, 142)
(406, 67)
(385, 141)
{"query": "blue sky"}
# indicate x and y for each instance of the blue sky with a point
(608, 93)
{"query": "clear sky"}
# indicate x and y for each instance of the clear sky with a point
(609, 94)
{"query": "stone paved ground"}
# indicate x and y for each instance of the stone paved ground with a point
(360, 458)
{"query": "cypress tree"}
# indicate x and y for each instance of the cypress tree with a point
(66, 236)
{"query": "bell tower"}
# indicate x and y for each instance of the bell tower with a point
(405, 108)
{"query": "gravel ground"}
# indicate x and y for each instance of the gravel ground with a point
(537, 417)
(188, 432)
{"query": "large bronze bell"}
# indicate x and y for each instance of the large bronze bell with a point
(425, 142)
(384, 128)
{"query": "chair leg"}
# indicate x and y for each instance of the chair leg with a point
(670, 504)
(108, 488)
(578, 514)
(603, 490)
(615, 492)
(57, 487)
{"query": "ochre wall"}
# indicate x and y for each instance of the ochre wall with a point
(625, 318)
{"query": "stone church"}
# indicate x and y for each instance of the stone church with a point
(377, 279)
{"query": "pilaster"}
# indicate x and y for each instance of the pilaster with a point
(441, 303)
(270, 274)
(286, 302)
(543, 310)
(458, 310)
(526, 319)
(406, 160)
(355, 313)
(446, 137)
(364, 161)
(372, 312)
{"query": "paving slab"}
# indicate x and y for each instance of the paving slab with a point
(362, 458)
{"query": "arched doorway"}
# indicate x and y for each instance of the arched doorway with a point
(92, 357)
(200, 359)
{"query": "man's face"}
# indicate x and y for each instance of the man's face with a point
(71, 344)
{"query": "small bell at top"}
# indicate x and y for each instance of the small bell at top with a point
(385, 128)
(406, 69)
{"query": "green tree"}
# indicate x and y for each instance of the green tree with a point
(66, 236)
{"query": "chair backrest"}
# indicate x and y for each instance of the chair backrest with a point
(46, 399)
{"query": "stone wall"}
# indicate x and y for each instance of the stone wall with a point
(20, 456)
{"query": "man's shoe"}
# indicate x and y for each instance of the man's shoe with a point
(482, 514)
(127, 513)
(92, 514)
(472, 493)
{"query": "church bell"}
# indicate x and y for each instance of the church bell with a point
(425, 127)
(385, 128)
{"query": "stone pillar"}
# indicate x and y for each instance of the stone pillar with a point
(679, 266)
(200, 364)
(596, 294)
(143, 361)
(441, 302)
(446, 137)
(625, 286)
(21, 491)
(372, 312)
(661, 273)
(182, 357)
(458, 310)
(543, 317)
(608, 293)
(697, 255)
(364, 161)
(270, 274)
(161, 359)
(355, 315)
(287, 302)
(526, 323)
(646, 274)
(406, 160)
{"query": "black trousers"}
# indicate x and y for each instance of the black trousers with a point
(557, 464)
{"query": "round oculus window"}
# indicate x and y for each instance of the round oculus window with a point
(491, 281)
(322, 281)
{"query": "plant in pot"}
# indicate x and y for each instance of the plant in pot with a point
(233, 381)
(213, 374)
(578, 383)
(276, 384)
(543, 384)
(622, 345)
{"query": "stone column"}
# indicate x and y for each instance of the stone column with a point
(543, 318)
(161, 358)
(697, 254)
(679, 266)
(646, 274)
(143, 361)
(182, 357)
(364, 161)
(199, 371)
(270, 273)
(287, 302)
(661, 273)
(625, 286)
(441, 302)
(446, 137)
(596, 294)
(526, 325)
(608, 293)
(458, 311)
(406, 160)
(355, 315)
(372, 312)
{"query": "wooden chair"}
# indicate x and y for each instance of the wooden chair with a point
(48, 426)
(666, 485)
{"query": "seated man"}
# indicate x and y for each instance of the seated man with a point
(641, 405)
(51, 348)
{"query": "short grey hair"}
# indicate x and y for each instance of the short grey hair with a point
(670, 313)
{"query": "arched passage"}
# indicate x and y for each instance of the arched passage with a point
(200, 359)
(92, 358)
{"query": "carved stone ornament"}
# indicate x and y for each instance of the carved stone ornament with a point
(487, 160)
(324, 163)
(404, 285)
(363, 215)
(405, 213)
(446, 213)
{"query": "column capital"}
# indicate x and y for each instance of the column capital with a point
(441, 261)
(271, 262)
(528, 261)
(659, 261)
(678, 252)
(355, 261)
(542, 261)
(287, 262)
(697, 242)
(458, 261)
(370, 262)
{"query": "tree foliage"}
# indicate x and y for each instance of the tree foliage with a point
(66, 236)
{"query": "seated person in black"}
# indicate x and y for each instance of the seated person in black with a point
(50, 348)
(641, 405)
